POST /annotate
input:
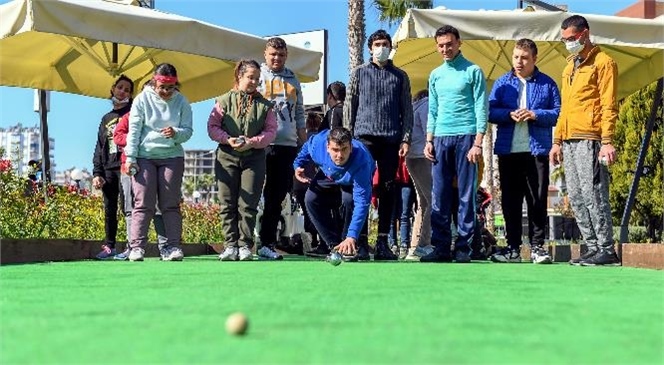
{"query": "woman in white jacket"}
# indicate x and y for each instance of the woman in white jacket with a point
(159, 122)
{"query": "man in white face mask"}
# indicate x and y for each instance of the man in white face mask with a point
(379, 112)
(584, 137)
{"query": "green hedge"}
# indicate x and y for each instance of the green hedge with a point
(68, 213)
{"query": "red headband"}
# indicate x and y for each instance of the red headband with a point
(166, 79)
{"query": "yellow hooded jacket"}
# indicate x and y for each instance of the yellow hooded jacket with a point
(589, 107)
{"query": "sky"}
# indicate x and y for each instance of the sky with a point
(74, 119)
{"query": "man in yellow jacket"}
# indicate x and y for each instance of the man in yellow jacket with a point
(584, 137)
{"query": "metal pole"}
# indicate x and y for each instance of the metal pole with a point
(45, 150)
(624, 223)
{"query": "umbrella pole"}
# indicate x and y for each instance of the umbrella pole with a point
(624, 223)
(43, 131)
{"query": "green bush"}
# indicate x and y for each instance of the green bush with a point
(69, 213)
(637, 234)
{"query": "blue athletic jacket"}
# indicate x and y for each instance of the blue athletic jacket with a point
(357, 172)
(543, 98)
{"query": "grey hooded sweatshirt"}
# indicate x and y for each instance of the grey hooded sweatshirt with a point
(284, 91)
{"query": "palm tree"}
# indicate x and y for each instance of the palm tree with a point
(392, 11)
(356, 33)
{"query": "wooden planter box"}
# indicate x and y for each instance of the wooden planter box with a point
(645, 255)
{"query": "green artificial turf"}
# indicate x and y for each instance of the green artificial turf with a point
(312, 312)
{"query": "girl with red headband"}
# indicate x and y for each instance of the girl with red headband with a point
(160, 121)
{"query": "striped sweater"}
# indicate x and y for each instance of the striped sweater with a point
(378, 103)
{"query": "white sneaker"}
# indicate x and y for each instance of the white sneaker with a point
(136, 254)
(267, 253)
(539, 255)
(229, 254)
(506, 255)
(172, 254)
(245, 254)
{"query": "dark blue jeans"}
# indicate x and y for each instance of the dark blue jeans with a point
(327, 204)
(451, 152)
(403, 212)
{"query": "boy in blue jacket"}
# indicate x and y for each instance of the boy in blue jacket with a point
(524, 104)
(344, 165)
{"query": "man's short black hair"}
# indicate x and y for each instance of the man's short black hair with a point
(447, 29)
(339, 135)
(378, 35)
(338, 90)
(576, 21)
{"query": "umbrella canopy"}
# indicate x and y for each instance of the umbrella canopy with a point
(81, 46)
(488, 39)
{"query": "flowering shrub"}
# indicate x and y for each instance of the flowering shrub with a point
(72, 213)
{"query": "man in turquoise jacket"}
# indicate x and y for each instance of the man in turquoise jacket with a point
(456, 127)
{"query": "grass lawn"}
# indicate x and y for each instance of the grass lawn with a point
(307, 311)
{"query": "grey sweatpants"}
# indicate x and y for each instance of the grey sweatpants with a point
(588, 188)
(157, 180)
(158, 221)
(420, 171)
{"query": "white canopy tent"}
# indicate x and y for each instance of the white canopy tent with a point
(488, 37)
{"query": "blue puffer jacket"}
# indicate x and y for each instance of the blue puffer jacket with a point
(543, 98)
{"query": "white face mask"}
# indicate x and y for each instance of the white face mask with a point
(381, 54)
(115, 100)
(574, 47)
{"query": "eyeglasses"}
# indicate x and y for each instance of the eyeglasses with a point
(572, 38)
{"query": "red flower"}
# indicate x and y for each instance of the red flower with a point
(5, 165)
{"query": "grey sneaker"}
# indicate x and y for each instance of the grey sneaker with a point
(229, 254)
(539, 255)
(414, 254)
(136, 254)
(123, 256)
(506, 255)
(267, 253)
(171, 254)
(245, 254)
(106, 253)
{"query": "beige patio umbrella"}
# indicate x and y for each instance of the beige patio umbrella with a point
(81, 46)
(488, 37)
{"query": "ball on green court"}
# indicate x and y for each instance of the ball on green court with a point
(237, 324)
(335, 259)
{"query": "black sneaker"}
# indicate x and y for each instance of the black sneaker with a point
(383, 252)
(320, 251)
(585, 256)
(437, 255)
(362, 254)
(462, 257)
(602, 258)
